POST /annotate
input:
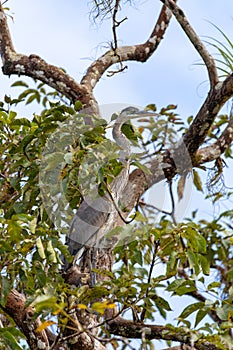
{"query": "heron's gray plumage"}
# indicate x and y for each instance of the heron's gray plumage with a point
(96, 217)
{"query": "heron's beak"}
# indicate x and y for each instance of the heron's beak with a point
(144, 113)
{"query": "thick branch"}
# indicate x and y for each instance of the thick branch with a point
(215, 150)
(202, 123)
(195, 40)
(130, 329)
(140, 52)
(164, 166)
(23, 317)
(6, 45)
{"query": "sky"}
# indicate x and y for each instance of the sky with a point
(62, 34)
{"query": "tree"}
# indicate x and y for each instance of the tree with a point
(35, 293)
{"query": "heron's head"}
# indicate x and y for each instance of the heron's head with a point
(130, 110)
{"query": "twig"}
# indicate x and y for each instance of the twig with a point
(172, 202)
(149, 278)
(140, 52)
(115, 24)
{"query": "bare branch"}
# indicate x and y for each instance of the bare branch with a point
(140, 52)
(195, 40)
(116, 23)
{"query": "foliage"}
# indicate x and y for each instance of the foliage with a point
(31, 245)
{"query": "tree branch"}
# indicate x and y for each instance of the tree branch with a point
(215, 150)
(35, 67)
(130, 329)
(23, 317)
(202, 123)
(140, 52)
(163, 166)
(195, 40)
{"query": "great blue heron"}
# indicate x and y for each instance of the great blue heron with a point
(95, 218)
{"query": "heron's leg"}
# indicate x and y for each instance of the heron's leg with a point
(93, 266)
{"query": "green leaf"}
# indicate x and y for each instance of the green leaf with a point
(181, 287)
(20, 83)
(10, 340)
(32, 225)
(78, 105)
(162, 305)
(197, 181)
(172, 262)
(205, 265)
(40, 248)
(137, 257)
(201, 242)
(141, 166)
(192, 259)
(33, 97)
(190, 309)
(151, 107)
(7, 99)
(200, 315)
(6, 286)
(45, 302)
(222, 312)
(21, 121)
(52, 254)
(212, 286)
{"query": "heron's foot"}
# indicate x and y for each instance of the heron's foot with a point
(75, 277)
(93, 279)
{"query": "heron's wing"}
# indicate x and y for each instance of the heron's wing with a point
(86, 224)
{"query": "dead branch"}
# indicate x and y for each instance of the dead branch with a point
(140, 52)
(115, 24)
